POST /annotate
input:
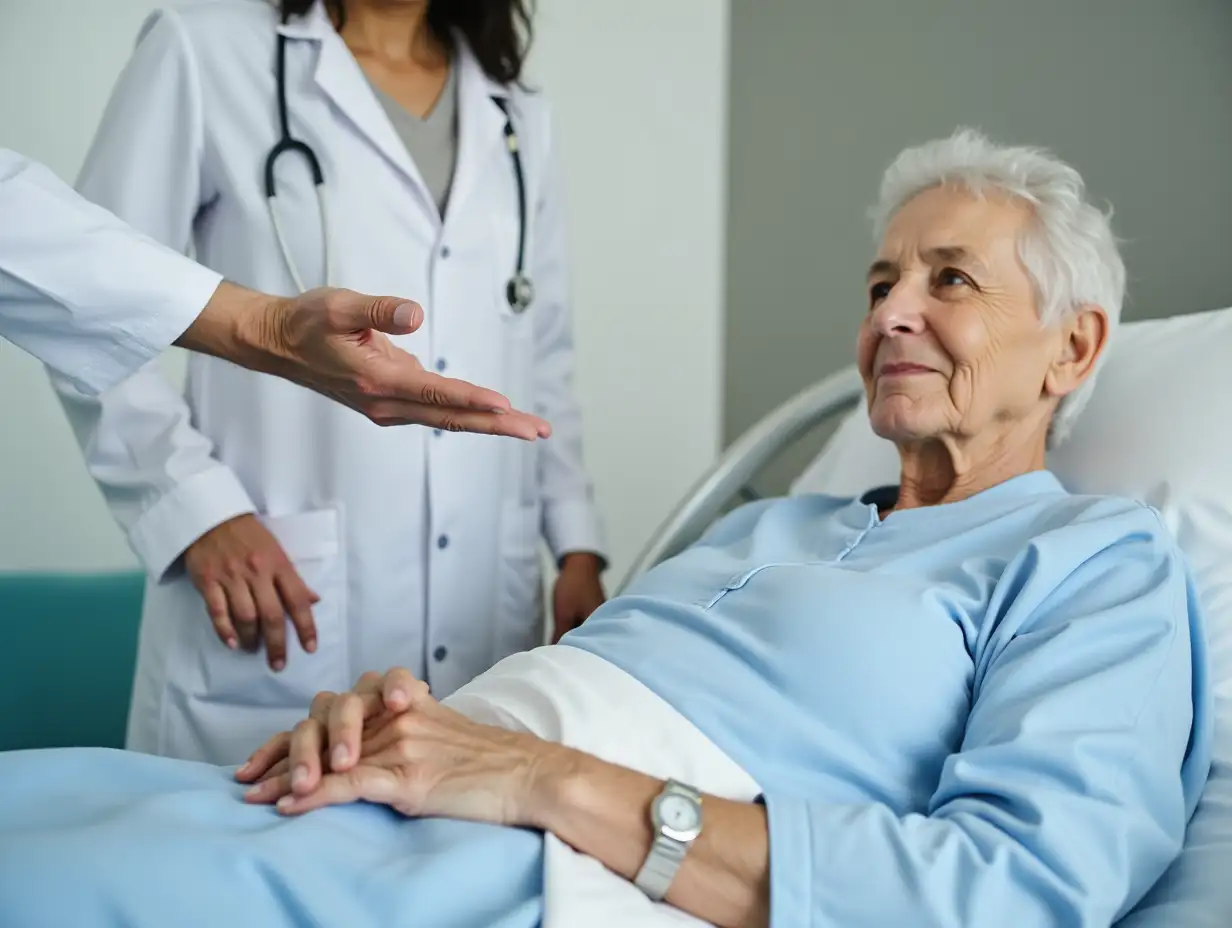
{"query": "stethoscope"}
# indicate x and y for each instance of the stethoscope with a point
(518, 291)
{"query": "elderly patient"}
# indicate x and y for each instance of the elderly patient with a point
(969, 699)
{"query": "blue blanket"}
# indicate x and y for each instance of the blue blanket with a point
(107, 839)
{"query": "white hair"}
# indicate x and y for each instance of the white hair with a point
(1069, 251)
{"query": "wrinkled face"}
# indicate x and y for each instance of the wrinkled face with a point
(952, 345)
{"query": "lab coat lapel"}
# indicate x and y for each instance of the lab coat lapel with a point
(480, 126)
(342, 80)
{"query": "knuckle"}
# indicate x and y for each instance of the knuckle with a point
(349, 704)
(304, 728)
(322, 701)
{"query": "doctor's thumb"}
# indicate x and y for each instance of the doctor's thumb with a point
(393, 315)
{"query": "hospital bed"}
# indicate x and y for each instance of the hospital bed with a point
(1158, 428)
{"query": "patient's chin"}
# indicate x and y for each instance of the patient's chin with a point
(900, 418)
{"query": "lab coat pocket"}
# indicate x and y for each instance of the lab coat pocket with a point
(312, 542)
(520, 612)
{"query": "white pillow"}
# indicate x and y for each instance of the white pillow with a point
(1159, 429)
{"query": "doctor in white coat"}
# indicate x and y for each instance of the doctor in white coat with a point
(291, 544)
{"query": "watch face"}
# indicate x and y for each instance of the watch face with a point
(680, 816)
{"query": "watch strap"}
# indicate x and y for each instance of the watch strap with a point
(666, 853)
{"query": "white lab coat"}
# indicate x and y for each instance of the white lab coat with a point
(422, 546)
(82, 292)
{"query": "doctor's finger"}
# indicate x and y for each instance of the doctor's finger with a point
(404, 379)
(297, 599)
(273, 621)
(513, 424)
(243, 612)
(216, 605)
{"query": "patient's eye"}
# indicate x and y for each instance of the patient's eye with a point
(952, 277)
(878, 292)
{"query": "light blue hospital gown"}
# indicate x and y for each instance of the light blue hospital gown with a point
(992, 712)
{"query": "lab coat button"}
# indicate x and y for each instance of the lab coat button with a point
(443, 542)
(437, 433)
(440, 364)
(444, 251)
(441, 653)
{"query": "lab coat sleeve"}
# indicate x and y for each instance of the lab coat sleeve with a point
(81, 291)
(1067, 798)
(157, 472)
(570, 517)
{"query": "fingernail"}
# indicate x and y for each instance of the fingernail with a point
(405, 314)
(340, 755)
(311, 647)
(398, 695)
(254, 791)
(285, 803)
(278, 665)
(243, 768)
(232, 644)
(299, 775)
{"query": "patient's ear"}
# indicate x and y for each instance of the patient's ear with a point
(1084, 335)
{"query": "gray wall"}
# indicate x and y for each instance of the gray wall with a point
(1137, 94)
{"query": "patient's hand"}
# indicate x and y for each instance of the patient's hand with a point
(422, 759)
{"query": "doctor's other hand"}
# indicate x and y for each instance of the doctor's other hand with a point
(578, 592)
(334, 341)
(250, 588)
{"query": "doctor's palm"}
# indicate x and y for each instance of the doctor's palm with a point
(250, 588)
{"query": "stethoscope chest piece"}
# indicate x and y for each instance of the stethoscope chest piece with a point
(519, 292)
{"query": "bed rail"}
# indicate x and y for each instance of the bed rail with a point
(742, 461)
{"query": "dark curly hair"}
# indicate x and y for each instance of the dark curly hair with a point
(497, 31)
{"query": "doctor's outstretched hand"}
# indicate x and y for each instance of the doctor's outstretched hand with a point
(336, 342)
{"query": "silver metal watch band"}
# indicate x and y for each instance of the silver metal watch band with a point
(666, 853)
(659, 869)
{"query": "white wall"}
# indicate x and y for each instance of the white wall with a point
(639, 88)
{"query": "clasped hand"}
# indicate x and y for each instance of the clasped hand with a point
(388, 741)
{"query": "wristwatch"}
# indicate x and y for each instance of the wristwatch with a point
(676, 815)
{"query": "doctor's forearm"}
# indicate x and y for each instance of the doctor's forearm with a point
(603, 811)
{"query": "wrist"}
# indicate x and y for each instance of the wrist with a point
(241, 325)
(582, 560)
(557, 783)
(260, 329)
